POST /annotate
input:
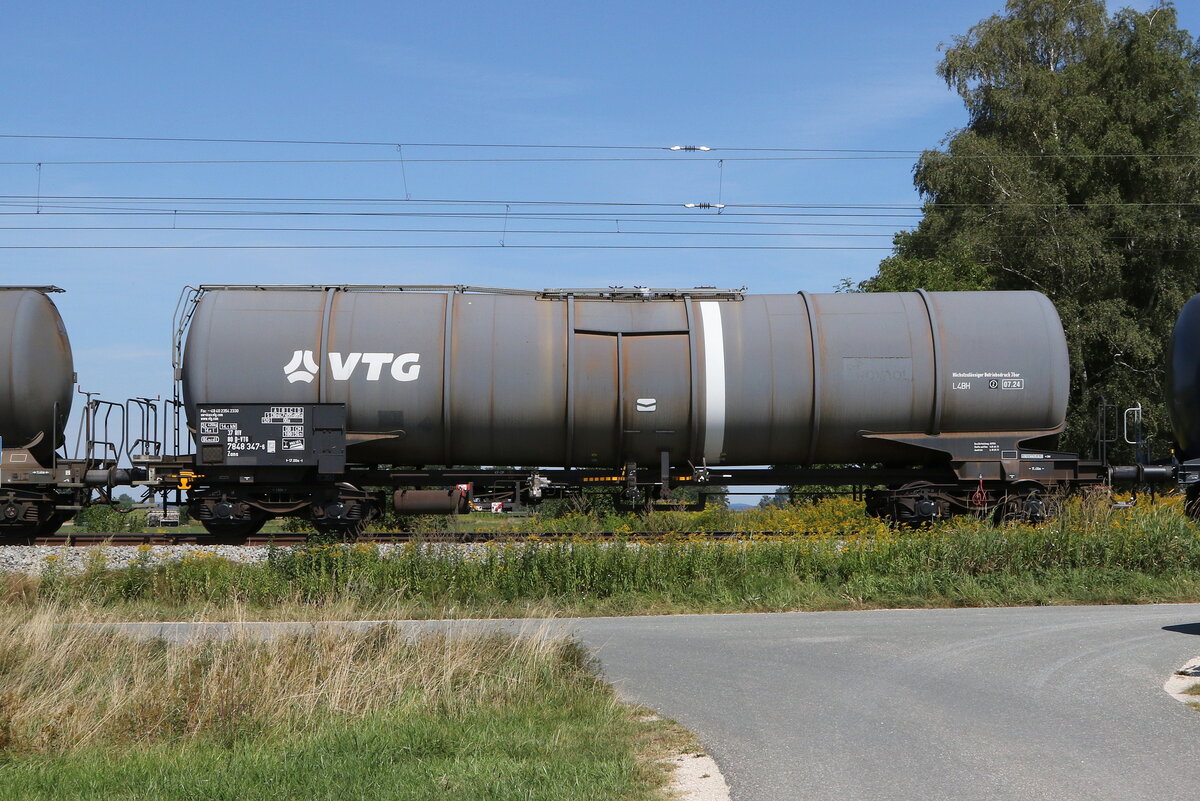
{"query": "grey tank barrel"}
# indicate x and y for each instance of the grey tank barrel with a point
(595, 378)
(112, 477)
(430, 502)
(1142, 474)
(36, 370)
(1183, 380)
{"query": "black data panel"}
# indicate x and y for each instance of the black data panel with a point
(271, 435)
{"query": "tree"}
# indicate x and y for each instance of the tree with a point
(780, 498)
(1077, 175)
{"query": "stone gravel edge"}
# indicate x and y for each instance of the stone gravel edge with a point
(696, 777)
(1176, 684)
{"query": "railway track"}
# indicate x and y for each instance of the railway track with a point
(90, 539)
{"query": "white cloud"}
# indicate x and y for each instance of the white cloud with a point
(466, 79)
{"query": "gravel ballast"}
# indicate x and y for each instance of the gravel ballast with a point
(34, 559)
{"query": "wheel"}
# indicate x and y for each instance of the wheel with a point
(1192, 503)
(343, 518)
(1030, 506)
(913, 505)
(53, 524)
(21, 531)
(343, 531)
(27, 529)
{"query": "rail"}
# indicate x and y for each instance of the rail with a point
(90, 539)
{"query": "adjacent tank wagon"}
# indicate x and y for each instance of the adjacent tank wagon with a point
(38, 375)
(40, 488)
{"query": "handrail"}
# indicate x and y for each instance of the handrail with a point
(612, 292)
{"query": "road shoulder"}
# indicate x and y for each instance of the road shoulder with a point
(1182, 680)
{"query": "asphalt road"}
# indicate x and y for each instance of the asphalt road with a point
(1038, 703)
(1056, 703)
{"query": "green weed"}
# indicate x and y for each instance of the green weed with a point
(1090, 554)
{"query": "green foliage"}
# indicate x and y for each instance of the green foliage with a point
(1075, 176)
(779, 499)
(105, 519)
(1090, 554)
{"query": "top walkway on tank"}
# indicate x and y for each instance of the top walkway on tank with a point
(46, 290)
(612, 292)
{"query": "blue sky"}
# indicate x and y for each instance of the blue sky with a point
(748, 75)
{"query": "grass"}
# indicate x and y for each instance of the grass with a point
(1193, 690)
(1090, 554)
(87, 713)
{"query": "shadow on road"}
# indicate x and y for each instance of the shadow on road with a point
(1184, 628)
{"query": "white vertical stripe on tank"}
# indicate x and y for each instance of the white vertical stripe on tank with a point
(714, 381)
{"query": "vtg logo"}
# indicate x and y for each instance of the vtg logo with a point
(303, 367)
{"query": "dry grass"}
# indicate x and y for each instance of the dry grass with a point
(65, 687)
(90, 714)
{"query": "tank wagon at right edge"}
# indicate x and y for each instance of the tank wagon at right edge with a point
(1183, 401)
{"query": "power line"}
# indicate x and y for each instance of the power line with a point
(42, 200)
(369, 143)
(488, 247)
(207, 199)
(684, 150)
(721, 220)
(533, 160)
(623, 233)
(442, 247)
(581, 160)
(625, 215)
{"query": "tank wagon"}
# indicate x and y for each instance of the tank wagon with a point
(313, 400)
(1183, 400)
(40, 489)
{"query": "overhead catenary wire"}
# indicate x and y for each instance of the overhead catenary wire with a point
(578, 160)
(625, 215)
(666, 218)
(253, 199)
(686, 151)
(623, 233)
(403, 161)
(265, 229)
(492, 247)
(442, 247)
(398, 143)
(587, 212)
